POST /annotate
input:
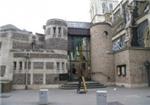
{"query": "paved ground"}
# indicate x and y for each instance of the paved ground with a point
(119, 96)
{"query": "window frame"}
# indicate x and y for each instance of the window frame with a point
(121, 71)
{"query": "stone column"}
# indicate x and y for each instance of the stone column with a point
(51, 32)
(60, 67)
(57, 31)
(44, 78)
(62, 35)
(31, 78)
(54, 66)
(23, 65)
(44, 65)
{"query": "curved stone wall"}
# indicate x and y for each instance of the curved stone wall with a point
(57, 43)
(56, 34)
(101, 57)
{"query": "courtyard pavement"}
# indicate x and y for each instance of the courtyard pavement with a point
(115, 96)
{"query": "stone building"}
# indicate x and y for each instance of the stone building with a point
(123, 45)
(131, 26)
(40, 60)
(99, 8)
(116, 50)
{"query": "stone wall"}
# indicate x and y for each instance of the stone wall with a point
(101, 57)
(122, 58)
(52, 78)
(138, 72)
(38, 65)
(37, 78)
(3, 34)
(20, 78)
(56, 43)
(133, 58)
(49, 65)
(20, 36)
(21, 45)
(40, 55)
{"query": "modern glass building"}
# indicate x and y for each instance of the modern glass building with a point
(78, 45)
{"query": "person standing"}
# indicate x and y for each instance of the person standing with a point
(80, 73)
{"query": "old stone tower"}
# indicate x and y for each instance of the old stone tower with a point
(101, 56)
(56, 40)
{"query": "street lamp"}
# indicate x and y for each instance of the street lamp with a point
(26, 71)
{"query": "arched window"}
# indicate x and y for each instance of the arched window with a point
(110, 7)
(54, 31)
(59, 31)
(64, 32)
(103, 7)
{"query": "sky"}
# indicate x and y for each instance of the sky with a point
(31, 15)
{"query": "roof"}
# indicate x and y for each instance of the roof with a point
(56, 22)
(77, 31)
(9, 27)
(81, 25)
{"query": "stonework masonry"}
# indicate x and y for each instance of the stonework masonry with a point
(101, 57)
(119, 52)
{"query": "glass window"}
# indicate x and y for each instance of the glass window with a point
(63, 66)
(14, 65)
(79, 46)
(110, 7)
(119, 43)
(64, 31)
(29, 65)
(38, 65)
(121, 70)
(104, 7)
(2, 70)
(20, 65)
(49, 65)
(25, 65)
(58, 65)
(59, 31)
(54, 31)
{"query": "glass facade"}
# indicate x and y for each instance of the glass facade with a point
(78, 48)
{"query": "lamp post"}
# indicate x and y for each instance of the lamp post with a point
(26, 71)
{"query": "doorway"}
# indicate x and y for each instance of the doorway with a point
(73, 69)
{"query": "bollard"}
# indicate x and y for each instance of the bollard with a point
(101, 97)
(43, 97)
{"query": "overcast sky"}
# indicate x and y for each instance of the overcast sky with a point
(33, 14)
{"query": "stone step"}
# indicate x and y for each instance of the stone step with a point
(74, 85)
